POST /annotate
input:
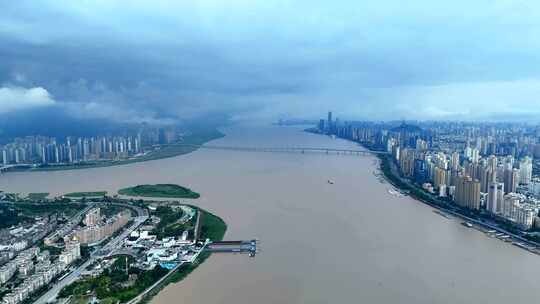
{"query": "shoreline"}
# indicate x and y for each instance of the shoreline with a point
(165, 151)
(214, 230)
(416, 193)
(481, 226)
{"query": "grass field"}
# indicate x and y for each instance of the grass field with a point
(159, 190)
(86, 194)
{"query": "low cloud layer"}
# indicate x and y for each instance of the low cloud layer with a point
(164, 61)
(19, 98)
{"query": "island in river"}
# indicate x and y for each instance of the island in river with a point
(159, 190)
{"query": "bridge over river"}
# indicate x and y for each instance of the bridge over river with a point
(292, 149)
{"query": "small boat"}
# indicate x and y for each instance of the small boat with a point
(331, 182)
(467, 224)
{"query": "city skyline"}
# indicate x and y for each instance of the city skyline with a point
(487, 171)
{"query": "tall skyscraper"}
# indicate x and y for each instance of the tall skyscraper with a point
(329, 123)
(492, 164)
(495, 195)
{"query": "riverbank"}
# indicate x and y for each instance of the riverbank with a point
(482, 221)
(110, 286)
(389, 172)
(187, 145)
(213, 228)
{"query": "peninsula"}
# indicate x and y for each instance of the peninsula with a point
(106, 248)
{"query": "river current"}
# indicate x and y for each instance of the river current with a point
(347, 242)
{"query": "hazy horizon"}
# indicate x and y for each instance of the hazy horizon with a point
(259, 60)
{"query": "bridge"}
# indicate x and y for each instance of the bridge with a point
(288, 149)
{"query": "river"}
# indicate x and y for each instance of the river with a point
(347, 242)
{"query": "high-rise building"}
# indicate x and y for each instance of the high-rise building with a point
(511, 180)
(467, 192)
(492, 165)
(321, 125)
(494, 199)
(4, 157)
(455, 161)
(525, 171)
(475, 155)
(484, 177)
(406, 162)
(329, 123)
(439, 178)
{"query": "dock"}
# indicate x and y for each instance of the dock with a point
(248, 247)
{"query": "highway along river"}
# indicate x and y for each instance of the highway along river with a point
(346, 242)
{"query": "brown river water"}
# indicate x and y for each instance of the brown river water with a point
(347, 242)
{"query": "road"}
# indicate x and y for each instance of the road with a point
(52, 293)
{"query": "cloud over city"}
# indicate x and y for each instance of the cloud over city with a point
(19, 98)
(165, 61)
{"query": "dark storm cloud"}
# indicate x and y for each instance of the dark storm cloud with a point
(160, 61)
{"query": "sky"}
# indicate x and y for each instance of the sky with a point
(168, 61)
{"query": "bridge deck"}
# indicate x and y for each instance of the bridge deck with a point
(287, 149)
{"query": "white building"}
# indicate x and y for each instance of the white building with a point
(7, 271)
(525, 171)
(71, 253)
(518, 209)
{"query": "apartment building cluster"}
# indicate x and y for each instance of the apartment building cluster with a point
(49, 150)
(96, 228)
(478, 166)
(490, 183)
(36, 270)
(18, 238)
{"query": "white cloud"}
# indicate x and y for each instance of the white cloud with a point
(110, 111)
(19, 98)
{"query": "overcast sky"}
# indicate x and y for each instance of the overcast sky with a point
(162, 61)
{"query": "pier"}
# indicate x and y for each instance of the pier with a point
(248, 247)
